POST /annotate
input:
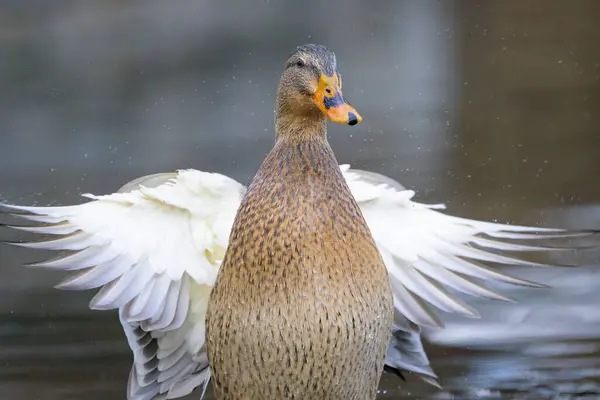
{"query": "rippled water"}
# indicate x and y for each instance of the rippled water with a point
(490, 107)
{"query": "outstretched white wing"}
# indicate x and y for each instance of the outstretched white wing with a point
(155, 247)
(427, 253)
(154, 250)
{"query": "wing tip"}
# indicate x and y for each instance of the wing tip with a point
(6, 208)
(16, 243)
(62, 286)
(36, 264)
(430, 378)
(15, 227)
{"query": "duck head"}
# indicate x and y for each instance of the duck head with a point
(311, 88)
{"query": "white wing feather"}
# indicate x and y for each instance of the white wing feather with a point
(427, 252)
(154, 249)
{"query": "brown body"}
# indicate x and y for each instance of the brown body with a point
(302, 307)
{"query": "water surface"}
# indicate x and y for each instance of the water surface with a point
(489, 107)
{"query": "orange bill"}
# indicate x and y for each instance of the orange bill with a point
(328, 97)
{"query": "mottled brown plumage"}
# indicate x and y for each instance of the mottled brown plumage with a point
(302, 306)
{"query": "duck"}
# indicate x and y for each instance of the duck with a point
(302, 305)
(305, 284)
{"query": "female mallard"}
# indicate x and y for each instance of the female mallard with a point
(155, 248)
(302, 306)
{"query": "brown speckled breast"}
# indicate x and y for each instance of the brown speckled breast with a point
(302, 306)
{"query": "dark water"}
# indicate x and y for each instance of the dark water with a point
(489, 107)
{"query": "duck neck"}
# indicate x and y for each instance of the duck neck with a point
(299, 121)
(300, 128)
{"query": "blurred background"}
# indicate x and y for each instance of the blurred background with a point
(491, 107)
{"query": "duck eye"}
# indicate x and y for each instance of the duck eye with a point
(300, 62)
